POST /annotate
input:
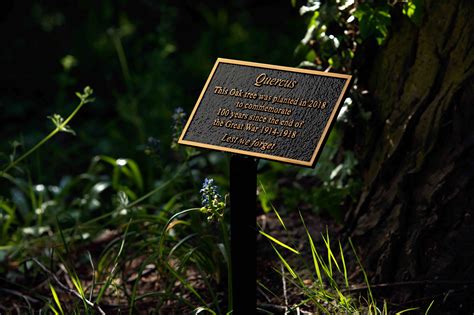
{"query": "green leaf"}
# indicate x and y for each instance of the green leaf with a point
(373, 21)
(77, 283)
(58, 121)
(135, 173)
(343, 265)
(408, 310)
(287, 265)
(266, 198)
(56, 299)
(414, 10)
(184, 282)
(314, 253)
(85, 96)
(53, 309)
(279, 242)
(429, 307)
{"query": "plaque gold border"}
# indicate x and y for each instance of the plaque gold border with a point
(324, 135)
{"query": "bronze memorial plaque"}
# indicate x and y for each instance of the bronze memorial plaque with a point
(272, 112)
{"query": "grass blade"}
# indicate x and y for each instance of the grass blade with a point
(344, 265)
(366, 278)
(429, 307)
(407, 310)
(331, 257)
(185, 283)
(165, 227)
(279, 242)
(114, 268)
(273, 207)
(56, 299)
(283, 260)
(313, 252)
(53, 309)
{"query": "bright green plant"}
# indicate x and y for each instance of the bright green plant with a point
(29, 203)
(211, 255)
(329, 290)
(61, 125)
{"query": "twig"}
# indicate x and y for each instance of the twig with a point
(264, 294)
(93, 274)
(67, 289)
(272, 307)
(278, 308)
(19, 294)
(16, 308)
(397, 284)
(262, 286)
(68, 281)
(285, 295)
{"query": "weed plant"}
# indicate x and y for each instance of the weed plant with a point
(328, 289)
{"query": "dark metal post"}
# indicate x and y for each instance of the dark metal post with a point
(243, 200)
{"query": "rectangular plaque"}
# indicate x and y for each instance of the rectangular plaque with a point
(272, 112)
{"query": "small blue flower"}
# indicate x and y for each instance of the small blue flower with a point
(212, 203)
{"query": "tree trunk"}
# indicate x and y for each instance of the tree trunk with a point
(414, 219)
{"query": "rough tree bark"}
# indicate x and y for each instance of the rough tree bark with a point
(414, 219)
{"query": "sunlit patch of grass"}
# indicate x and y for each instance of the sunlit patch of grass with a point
(328, 291)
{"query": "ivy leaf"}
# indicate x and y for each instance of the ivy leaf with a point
(414, 10)
(373, 21)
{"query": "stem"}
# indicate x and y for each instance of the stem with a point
(45, 139)
(225, 234)
(39, 144)
(122, 59)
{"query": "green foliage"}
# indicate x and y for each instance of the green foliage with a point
(271, 238)
(374, 21)
(327, 187)
(56, 300)
(58, 122)
(330, 37)
(61, 126)
(328, 291)
(336, 30)
(52, 222)
(414, 10)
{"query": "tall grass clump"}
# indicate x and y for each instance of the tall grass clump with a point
(327, 289)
